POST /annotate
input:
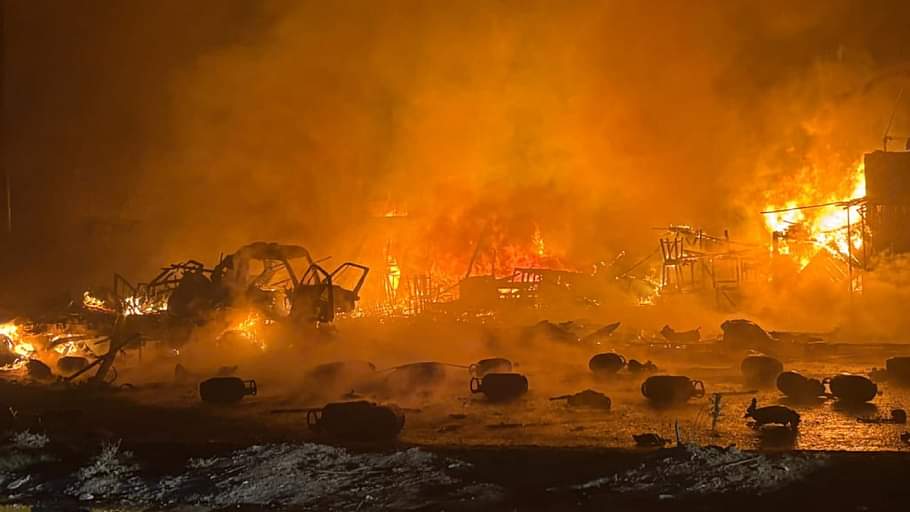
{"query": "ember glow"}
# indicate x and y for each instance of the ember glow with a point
(14, 342)
(248, 326)
(92, 303)
(134, 305)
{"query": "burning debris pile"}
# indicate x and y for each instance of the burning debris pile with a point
(37, 347)
(235, 301)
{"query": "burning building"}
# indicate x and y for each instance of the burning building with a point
(887, 202)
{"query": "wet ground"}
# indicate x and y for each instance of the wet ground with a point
(453, 416)
(535, 420)
(533, 454)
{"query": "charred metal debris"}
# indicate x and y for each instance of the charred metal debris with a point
(259, 285)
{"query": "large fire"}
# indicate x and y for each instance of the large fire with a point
(802, 229)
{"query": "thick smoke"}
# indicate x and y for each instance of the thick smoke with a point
(590, 122)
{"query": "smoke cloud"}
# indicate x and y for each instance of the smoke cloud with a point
(187, 131)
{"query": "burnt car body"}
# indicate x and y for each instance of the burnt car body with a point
(260, 275)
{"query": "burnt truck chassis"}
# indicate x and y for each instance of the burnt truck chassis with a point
(187, 293)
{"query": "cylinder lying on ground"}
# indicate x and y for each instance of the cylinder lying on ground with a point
(671, 389)
(851, 388)
(607, 363)
(500, 387)
(588, 399)
(798, 387)
(357, 421)
(490, 365)
(226, 390)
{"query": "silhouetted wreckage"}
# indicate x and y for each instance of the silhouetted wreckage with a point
(268, 282)
(261, 276)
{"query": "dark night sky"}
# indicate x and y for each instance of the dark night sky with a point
(86, 95)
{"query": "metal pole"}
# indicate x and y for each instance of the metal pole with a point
(862, 227)
(849, 254)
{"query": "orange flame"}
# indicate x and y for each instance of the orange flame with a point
(803, 233)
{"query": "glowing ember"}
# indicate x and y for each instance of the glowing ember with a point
(132, 305)
(248, 327)
(10, 330)
(92, 303)
(250, 324)
(140, 306)
(11, 337)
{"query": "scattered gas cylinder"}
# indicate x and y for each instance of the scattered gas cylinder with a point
(761, 370)
(671, 389)
(500, 387)
(490, 365)
(635, 366)
(587, 398)
(854, 389)
(226, 390)
(607, 363)
(798, 387)
(360, 420)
